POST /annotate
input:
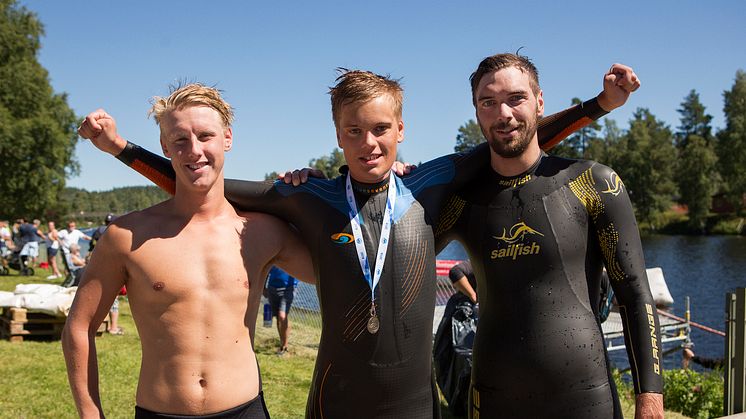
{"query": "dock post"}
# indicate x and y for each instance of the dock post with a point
(735, 353)
(688, 319)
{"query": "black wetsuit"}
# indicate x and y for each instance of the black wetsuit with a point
(538, 243)
(359, 374)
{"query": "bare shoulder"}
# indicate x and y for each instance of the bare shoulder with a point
(265, 231)
(257, 222)
(122, 230)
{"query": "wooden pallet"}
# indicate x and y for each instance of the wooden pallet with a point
(17, 324)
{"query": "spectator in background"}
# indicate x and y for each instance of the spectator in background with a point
(6, 236)
(71, 235)
(462, 278)
(280, 292)
(30, 235)
(53, 246)
(77, 264)
(6, 246)
(96, 236)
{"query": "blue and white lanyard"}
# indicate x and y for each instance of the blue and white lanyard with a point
(383, 242)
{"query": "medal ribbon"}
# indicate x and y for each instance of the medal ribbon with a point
(383, 241)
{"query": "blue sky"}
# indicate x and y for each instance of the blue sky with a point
(275, 60)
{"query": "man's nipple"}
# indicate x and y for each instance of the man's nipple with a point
(158, 286)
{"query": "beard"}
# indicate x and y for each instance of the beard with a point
(514, 147)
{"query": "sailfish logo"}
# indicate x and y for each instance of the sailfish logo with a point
(616, 181)
(517, 232)
(342, 238)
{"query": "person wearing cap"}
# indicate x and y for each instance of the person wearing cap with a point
(96, 236)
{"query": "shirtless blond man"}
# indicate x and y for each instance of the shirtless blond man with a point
(194, 270)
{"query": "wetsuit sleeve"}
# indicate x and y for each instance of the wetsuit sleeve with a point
(605, 197)
(247, 195)
(556, 127)
(452, 222)
(244, 195)
(156, 168)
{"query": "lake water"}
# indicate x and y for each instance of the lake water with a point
(703, 268)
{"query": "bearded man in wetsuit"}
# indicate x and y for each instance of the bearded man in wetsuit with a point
(538, 230)
(194, 270)
(373, 245)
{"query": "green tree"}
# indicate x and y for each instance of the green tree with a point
(697, 176)
(697, 179)
(602, 149)
(694, 119)
(469, 135)
(644, 158)
(37, 127)
(576, 146)
(732, 142)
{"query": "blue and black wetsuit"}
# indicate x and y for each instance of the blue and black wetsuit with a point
(389, 373)
(538, 243)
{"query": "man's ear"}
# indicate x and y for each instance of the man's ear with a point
(400, 126)
(540, 103)
(339, 141)
(228, 139)
(164, 148)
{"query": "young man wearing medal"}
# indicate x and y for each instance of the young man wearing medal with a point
(372, 239)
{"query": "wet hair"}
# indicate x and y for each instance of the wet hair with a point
(501, 61)
(192, 94)
(358, 86)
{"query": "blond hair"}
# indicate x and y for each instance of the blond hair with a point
(355, 86)
(192, 94)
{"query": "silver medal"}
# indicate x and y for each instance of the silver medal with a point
(373, 325)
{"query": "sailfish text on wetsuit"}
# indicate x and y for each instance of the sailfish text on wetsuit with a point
(517, 233)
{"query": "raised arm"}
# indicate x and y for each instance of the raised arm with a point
(619, 82)
(102, 280)
(616, 228)
(100, 128)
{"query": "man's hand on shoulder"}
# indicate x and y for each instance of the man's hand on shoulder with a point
(619, 82)
(649, 406)
(300, 176)
(99, 127)
(402, 169)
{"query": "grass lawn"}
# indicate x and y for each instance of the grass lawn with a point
(35, 384)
